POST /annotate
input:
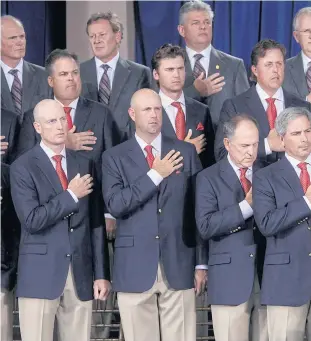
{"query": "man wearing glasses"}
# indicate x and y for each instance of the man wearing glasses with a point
(298, 69)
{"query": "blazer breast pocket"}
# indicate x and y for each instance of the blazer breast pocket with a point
(218, 259)
(38, 249)
(124, 241)
(277, 259)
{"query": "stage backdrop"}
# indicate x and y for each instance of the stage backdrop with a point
(238, 25)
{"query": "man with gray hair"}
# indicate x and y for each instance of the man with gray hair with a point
(298, 69)
(212, 76)
(282, 210)
(107, 77)
(23, 84)
(224, 216)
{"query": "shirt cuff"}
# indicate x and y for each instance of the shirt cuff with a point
(267, 147)
(155, 177)
(201, 267)
(109, 216)
(246, 209)
(307, 201)
(73, 195)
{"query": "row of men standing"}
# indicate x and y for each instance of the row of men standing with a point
(95, 127)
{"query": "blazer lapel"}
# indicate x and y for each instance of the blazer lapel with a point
(6, 97)
(29, 86)
(299, 77)
(189, 76)
(137, 155)
(167, 128)
(92, 74)
(83, 111)
(121, 75)
(72, 166)
(192, 119)
(215, 60)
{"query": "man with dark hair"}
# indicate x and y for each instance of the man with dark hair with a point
(23, 84)
(183, 117)
(298, 69)
(224, 216)
(107, 77)
(264, 101)
(212, 76)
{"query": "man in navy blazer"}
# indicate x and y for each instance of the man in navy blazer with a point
(224, 216)
(148, 187)
(183, 117)
(282, 210)
(62, 263)
(264, 101)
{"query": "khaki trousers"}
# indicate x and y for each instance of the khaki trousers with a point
(37, 316)
(289, 323)
(7, 302)
(159, 313)
(245, 322)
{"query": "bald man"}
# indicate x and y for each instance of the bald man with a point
(23, 84)
(62, 264)
(148, 184)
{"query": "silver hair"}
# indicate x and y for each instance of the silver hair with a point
(230, 126)
(302, 11)
(287, 115)
(194, 5)
(10, 17)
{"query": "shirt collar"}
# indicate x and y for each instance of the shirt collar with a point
(156, 143)
(112, 63)
(235, 167)
(72, 105)
(263, 95)
(294, 162)
(18, 67)
(167, 101)
(206, 52)
(305, 61)
(49, 152)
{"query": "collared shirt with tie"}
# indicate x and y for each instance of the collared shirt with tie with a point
(306, 62)
(204, 61)
(72, 105)
(111, 71)
(9, 77)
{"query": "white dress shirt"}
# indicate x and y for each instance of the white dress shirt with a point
(204, 60)
(100, 71)
(49, 152)
(295, 163)
(279, 104)
(72, 105)
(170, 109)
(8, 76)
(245, 207)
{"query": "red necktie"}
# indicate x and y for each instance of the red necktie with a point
(180, 123)
(271, 112)
(68, 117)
(246, 184)
(149, 157)
(60, 172)
(304, 176)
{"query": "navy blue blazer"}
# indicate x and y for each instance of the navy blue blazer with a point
(233, 242)
(249, 103)
(156, 224)
(198, 119)
(55, 230)
(283, 216)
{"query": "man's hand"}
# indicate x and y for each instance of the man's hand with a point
(79, 141)
(275, 142)
(214, 83)
(4, 145)
(249, 197)
(111, 225)
(81, 186)
(101, 288)
(170, 163)
(200, 280)
(199, 142)
(309, 98)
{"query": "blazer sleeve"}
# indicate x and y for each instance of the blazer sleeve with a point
(272, 220)
(212, 221)
(120, 199)
(36, 217)
(241, 82)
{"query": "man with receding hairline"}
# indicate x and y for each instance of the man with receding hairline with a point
(62, 262)
(23, 84)
(148, 184)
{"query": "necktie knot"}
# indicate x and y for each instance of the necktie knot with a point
(246, 184)
(13, 72)
(176, 105)
(304, 176)
(302, 166)
(149, 157)
(67, 110)
(270, 100)
(105, 67)
(198, 57)
(243, 171)
(148, 149)
(57, 158)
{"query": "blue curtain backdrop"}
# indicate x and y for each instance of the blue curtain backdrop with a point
(45, 26)
(238, 25)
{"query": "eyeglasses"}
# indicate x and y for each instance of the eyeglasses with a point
(305, 32)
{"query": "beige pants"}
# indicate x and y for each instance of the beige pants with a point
(289, 323)
(7, 300)
(158, 314)
(37, 316)
(245, 322)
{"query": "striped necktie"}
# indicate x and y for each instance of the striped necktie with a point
(16, 92)
(104, 86)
